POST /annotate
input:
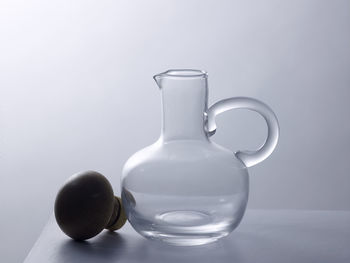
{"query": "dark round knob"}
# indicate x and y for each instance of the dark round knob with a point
(85, 205)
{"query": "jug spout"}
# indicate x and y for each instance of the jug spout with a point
(157, 79)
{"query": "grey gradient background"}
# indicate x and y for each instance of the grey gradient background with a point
(76, 93)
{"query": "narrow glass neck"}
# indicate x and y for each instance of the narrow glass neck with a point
(184, 102)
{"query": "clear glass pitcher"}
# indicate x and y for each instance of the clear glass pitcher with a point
(184, 189)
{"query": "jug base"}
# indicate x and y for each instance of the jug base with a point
(185, 228)
(182, 240)
(178, 240)
(184, 218)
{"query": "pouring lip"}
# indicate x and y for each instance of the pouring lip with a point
(182, 73)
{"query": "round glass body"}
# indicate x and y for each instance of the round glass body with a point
(185, 192)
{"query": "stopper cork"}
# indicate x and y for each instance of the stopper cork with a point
(118, 217)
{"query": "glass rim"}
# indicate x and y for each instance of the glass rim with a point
(182, 73)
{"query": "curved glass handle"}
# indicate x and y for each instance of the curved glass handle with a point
(249, 158)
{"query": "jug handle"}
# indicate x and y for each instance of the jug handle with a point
(249, 158)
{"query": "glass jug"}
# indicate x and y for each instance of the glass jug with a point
(184, 189)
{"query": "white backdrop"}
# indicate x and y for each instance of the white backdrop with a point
(76, 93)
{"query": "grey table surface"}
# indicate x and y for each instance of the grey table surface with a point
(263, 236)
